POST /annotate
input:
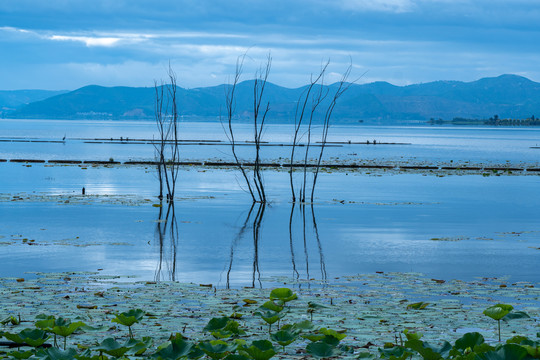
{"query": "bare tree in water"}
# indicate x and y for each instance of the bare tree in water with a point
(167, 147)
(255, 182)
(308, 107)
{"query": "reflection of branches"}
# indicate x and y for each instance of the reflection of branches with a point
(295, 272)
(321, 254)
(256, 237)
(238, 237)
(303, 210)
(255, 226)
(166, 230)
(305, 239)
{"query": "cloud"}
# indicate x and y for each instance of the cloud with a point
(89, 41)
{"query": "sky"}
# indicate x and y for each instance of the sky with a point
(67, 44)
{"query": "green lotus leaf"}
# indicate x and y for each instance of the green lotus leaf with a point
(10, 320)
(303, 325)
(63, 330)
(260, 350)
(129, 318)
(284, 337)
(320, 349)
(412, 335)
(270, 316)
(112, 347)
(395, 352)
(428, 351)
(21, 355)
(313, 305)
(283, 294)
(178, 348)
(195, 353)
(497, 312)
(334, 333)
(216, 324)
(236, 357)
(32, 337)
(53, 353)
(418, 305)
(270, 305)
(217, 349)
(313, 337)
(88, 328)
(505, 352)
(469, 341)
(515, 315)
(138, 347)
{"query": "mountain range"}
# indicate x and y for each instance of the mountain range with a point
(508, 96)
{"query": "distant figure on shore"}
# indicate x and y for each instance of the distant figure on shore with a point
(374, 142)
(83, 190)
(367, 142)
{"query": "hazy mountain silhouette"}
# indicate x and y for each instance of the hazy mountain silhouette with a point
(507, 96)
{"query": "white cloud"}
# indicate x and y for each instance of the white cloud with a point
(89, 41)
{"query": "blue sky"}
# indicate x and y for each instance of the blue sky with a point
(66, 44)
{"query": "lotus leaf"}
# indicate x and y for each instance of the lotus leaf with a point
(32, 337)
(418, 305)
(236, 357)
(428, 351)
(320, 349)
(270, 316)
(260, 350)
(21, 355)
(216, 324)
(45, 321)
(284, 337)
(270, 305)
(333, 333)
(129, 318)
(505, 352)
(303, 325)
(469, 341)
(515, 315)
(217, 349)
(10, 319)
(497, 312)
(56, 354)
(112, 347)
(283, 294)
(178, 348)
(395, 353)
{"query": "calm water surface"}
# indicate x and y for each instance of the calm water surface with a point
(445, 227)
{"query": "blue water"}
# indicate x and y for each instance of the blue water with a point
(454, 226)
(424, 144)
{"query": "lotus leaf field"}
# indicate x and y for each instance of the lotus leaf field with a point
(382, 315)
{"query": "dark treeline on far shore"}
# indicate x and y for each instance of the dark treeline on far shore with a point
(493, 121)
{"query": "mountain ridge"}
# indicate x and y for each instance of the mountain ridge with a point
(508, 96)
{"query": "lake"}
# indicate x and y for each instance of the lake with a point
(444, 224)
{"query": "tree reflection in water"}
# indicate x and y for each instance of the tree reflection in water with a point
(166, 234)
(253, 224)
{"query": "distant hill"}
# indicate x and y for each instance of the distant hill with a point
(508, 96)
(12, 99)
